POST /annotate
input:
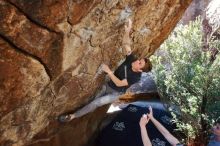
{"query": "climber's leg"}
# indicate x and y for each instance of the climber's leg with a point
(98, 102)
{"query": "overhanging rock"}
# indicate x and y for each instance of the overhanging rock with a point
(70, 39)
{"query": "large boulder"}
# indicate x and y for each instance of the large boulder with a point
(51, 51)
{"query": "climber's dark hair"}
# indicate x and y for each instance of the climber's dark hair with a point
(148, 65)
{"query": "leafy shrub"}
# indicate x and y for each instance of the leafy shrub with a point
(187, 78)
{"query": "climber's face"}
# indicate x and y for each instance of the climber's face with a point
(138, 65)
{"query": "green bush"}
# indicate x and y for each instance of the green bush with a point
(187, 78)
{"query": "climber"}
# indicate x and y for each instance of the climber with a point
(128, 73)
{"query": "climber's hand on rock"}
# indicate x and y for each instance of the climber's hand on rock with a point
(106, 69)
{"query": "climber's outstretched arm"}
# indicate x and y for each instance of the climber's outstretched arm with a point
(126, 42)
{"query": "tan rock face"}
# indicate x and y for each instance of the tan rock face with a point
(22, 78)
(76, 133)
(31, 38)
(80, 9)
(51, 51)
(47, 13)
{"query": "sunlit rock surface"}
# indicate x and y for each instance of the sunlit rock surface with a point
(196, 8)
(206, 9)
(51, 52)
(213, 15)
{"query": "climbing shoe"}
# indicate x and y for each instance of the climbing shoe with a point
(64, 118)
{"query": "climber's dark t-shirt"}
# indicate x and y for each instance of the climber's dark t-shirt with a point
(125, 70)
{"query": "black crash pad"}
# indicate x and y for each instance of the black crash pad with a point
(124, 130)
